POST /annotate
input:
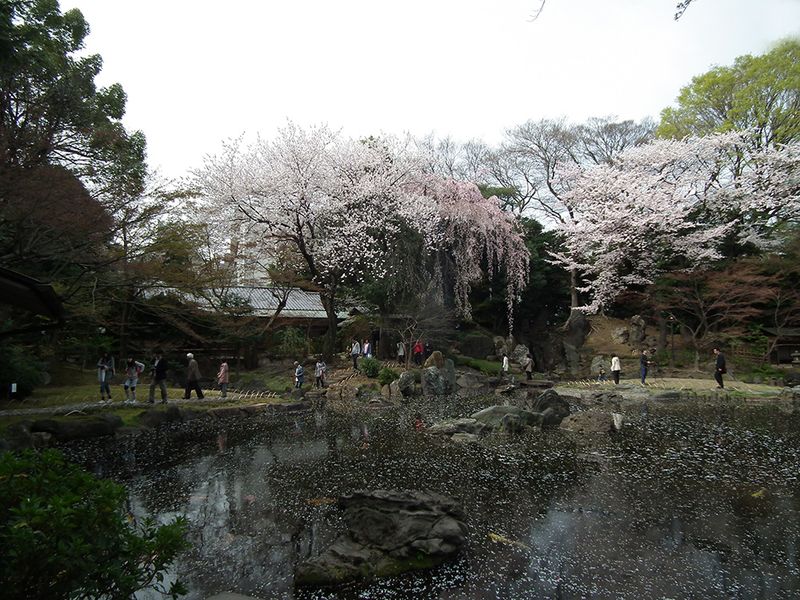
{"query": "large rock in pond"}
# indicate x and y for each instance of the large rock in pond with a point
(432, 382)
(454, 426)
(495, 417)
(553, 407)
(593, 422)
(388, 532)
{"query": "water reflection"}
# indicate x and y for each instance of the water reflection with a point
(672, 508)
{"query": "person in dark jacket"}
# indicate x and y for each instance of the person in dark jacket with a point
(159, 372)
(719, 368)
(192, 378)
(644, 362)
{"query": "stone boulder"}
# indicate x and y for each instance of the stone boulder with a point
(455, 426)
(406, 384)
(436, 359)
(600, 362)
(791, 379)
(620, 335)
(77, 429)
(519, 353)
(155, 418)
(471, 382)
(553, 407)
(503, 345)
(449, 374)
(388, 532)
(638, 330)
(493, 417)
(432, 382)
(593, 422)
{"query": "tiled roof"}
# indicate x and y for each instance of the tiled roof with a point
(300, 303)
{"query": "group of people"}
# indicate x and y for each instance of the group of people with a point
(359, 349)
(133, 370)
(645, 362)
(320, 370)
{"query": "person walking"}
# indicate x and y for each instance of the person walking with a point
(319, 373)
(644, 362)
(367, 349)
(417, 352)
(159, 372)
(299, 375)
(105, 372)
(401, 353)
(192, 378)
(505, 368)
(223, 378)
(355, 351)
(719, 368)
(133, 368)
(615, 369)
(528, 366)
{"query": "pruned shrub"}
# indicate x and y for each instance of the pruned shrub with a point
(387, 376)
(370, 367)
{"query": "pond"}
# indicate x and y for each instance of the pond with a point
(697, 505)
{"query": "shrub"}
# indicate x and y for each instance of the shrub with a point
(20, 367)
(370, 367)
(387, 376)
(292, 343)
(66, 534)
(484, 366)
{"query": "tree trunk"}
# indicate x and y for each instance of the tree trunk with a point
(662, 333)
(328, 300)
(573, 288)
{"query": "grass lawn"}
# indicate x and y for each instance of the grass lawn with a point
(700, 386)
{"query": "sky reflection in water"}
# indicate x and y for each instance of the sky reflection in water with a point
(674, 507)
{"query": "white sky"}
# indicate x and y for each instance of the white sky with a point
(197, 71)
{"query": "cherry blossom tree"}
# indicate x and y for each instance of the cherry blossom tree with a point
(671, 204)
(340, 204)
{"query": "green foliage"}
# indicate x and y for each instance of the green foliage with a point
(292, 342)
(387, 376)
(66, 534)
(757, 92)
(486, 367)
(370, 366)
(20, 367)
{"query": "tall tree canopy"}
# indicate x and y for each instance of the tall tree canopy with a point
(758, 93)
(343, 206)
(673, 204)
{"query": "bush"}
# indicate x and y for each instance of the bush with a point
(20, 367)
(387, 376)
(486, 367)
(292, 343)
(370, 367)
(66, 534)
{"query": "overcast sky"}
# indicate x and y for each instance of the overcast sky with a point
(197, 72)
